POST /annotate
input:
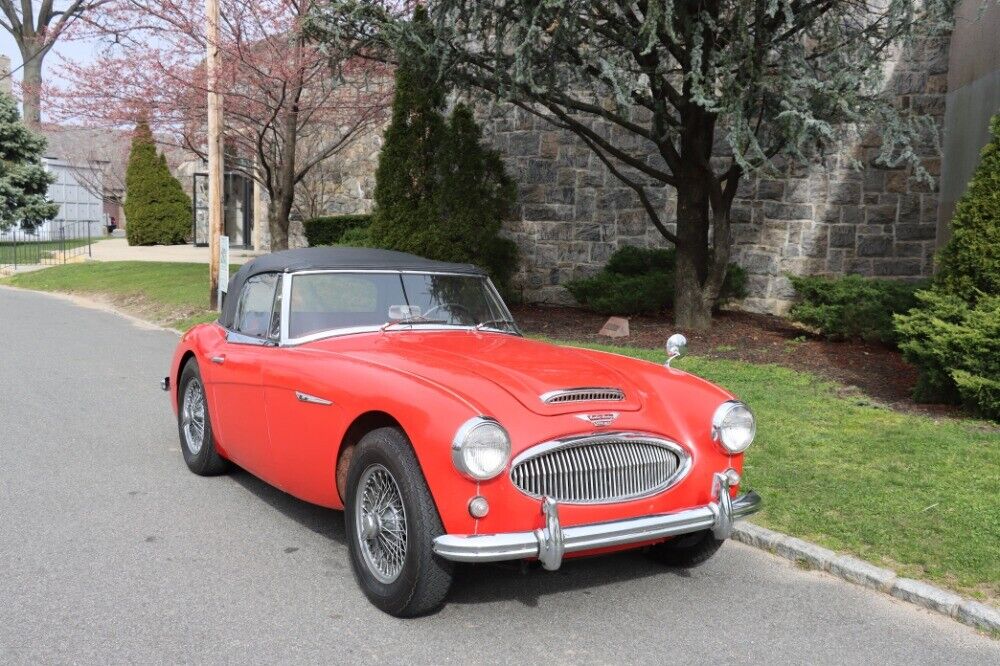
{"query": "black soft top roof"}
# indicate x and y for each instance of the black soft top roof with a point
(332, 258)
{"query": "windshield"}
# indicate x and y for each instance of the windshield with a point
(323, 302)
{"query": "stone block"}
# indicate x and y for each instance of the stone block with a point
(909, 83)
(926, 595)
(979, 615)
(908, 231)
(858, 267)
(771, 189)
(587, 232)
(874, 180)
(862, 573)
(852, 214)
(842, 235)
(874, 246)
(797, 191)
(759, 263)
(632, 222)
(814, 242)
(522, 144)
(781, 287)
(845, 193)
(757, 536)
(797, 550)
(910, 249)
(555, 231)
(880, 214)
(895, 181)
(742, 214)
(787, 211)
(601, 252)
(541, 171)
(928, 104)
(898, 267)
(548, 212)
(548, 146)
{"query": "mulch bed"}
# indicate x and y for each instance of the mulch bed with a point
(876, 370)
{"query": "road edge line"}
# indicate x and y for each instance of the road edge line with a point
(853, 570)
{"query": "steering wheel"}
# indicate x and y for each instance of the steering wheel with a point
(452, 307)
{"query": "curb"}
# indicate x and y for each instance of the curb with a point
(968, 611)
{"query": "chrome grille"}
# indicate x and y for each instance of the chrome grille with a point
(583, 395)
(600, 468)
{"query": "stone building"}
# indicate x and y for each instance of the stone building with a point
(824, 218)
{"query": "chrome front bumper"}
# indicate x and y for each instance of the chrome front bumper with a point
(549, 543)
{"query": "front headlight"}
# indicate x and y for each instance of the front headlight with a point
(481, 448)
(734, 426)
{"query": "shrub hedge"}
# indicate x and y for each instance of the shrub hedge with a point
(957, 348)
(953, 336)
(852, 307)
(641, 281)
(157, 210)
(969, 263)
(330, 229)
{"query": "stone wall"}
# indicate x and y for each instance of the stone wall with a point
(822, 218)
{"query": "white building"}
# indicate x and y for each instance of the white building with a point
(80, 209)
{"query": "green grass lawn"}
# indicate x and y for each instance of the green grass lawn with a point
(912, 493)
(31, 252)
(916, 494)
(171, 294)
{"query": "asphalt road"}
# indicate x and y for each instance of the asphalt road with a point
(111, 551)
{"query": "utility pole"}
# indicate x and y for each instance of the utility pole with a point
(215, 157)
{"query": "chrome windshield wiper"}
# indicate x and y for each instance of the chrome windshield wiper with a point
(411, 321)
(492, 324)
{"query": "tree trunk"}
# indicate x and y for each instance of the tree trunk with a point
(31, 89)
(692, 310)
(277, 221)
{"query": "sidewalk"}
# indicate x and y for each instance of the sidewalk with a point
(118, 249)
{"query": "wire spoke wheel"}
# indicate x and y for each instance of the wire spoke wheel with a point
(193, 416)
(381, 523)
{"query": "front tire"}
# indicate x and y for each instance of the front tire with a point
(391, 523)
(195, 426)
(686, 551)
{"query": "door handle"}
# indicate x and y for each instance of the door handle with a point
(219, 359)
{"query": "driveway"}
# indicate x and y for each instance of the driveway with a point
(113, 552)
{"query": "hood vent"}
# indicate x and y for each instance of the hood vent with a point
(588, 394)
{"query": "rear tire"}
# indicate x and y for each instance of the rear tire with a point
(391, 523)
(688, 550)
(194, 425)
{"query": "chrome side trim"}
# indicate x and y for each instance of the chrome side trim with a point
(550, 543)
(683, 467)
(305, 397)
(583, 394)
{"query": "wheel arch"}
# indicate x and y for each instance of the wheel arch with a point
(362, 425)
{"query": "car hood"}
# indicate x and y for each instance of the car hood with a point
(526, 369)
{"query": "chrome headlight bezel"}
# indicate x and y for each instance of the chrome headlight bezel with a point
(460, 447)
(724, 411)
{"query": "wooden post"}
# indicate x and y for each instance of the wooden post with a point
(215, 157)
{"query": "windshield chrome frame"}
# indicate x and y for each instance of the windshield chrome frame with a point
(286, 307)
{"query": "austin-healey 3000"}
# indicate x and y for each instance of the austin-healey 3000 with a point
(401, 391)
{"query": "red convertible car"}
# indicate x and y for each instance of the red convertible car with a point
(400, 390)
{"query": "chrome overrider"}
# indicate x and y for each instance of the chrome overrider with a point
(551, 542)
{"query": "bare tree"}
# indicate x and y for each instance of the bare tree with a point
(36, 27)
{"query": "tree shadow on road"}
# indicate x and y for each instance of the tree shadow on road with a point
(484, 583)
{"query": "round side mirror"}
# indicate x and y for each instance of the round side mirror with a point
(676, 346)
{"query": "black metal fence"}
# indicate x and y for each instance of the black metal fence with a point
(56, 243)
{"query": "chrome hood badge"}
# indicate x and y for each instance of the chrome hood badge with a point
(598, 420)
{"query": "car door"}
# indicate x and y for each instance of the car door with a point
(238, 388)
